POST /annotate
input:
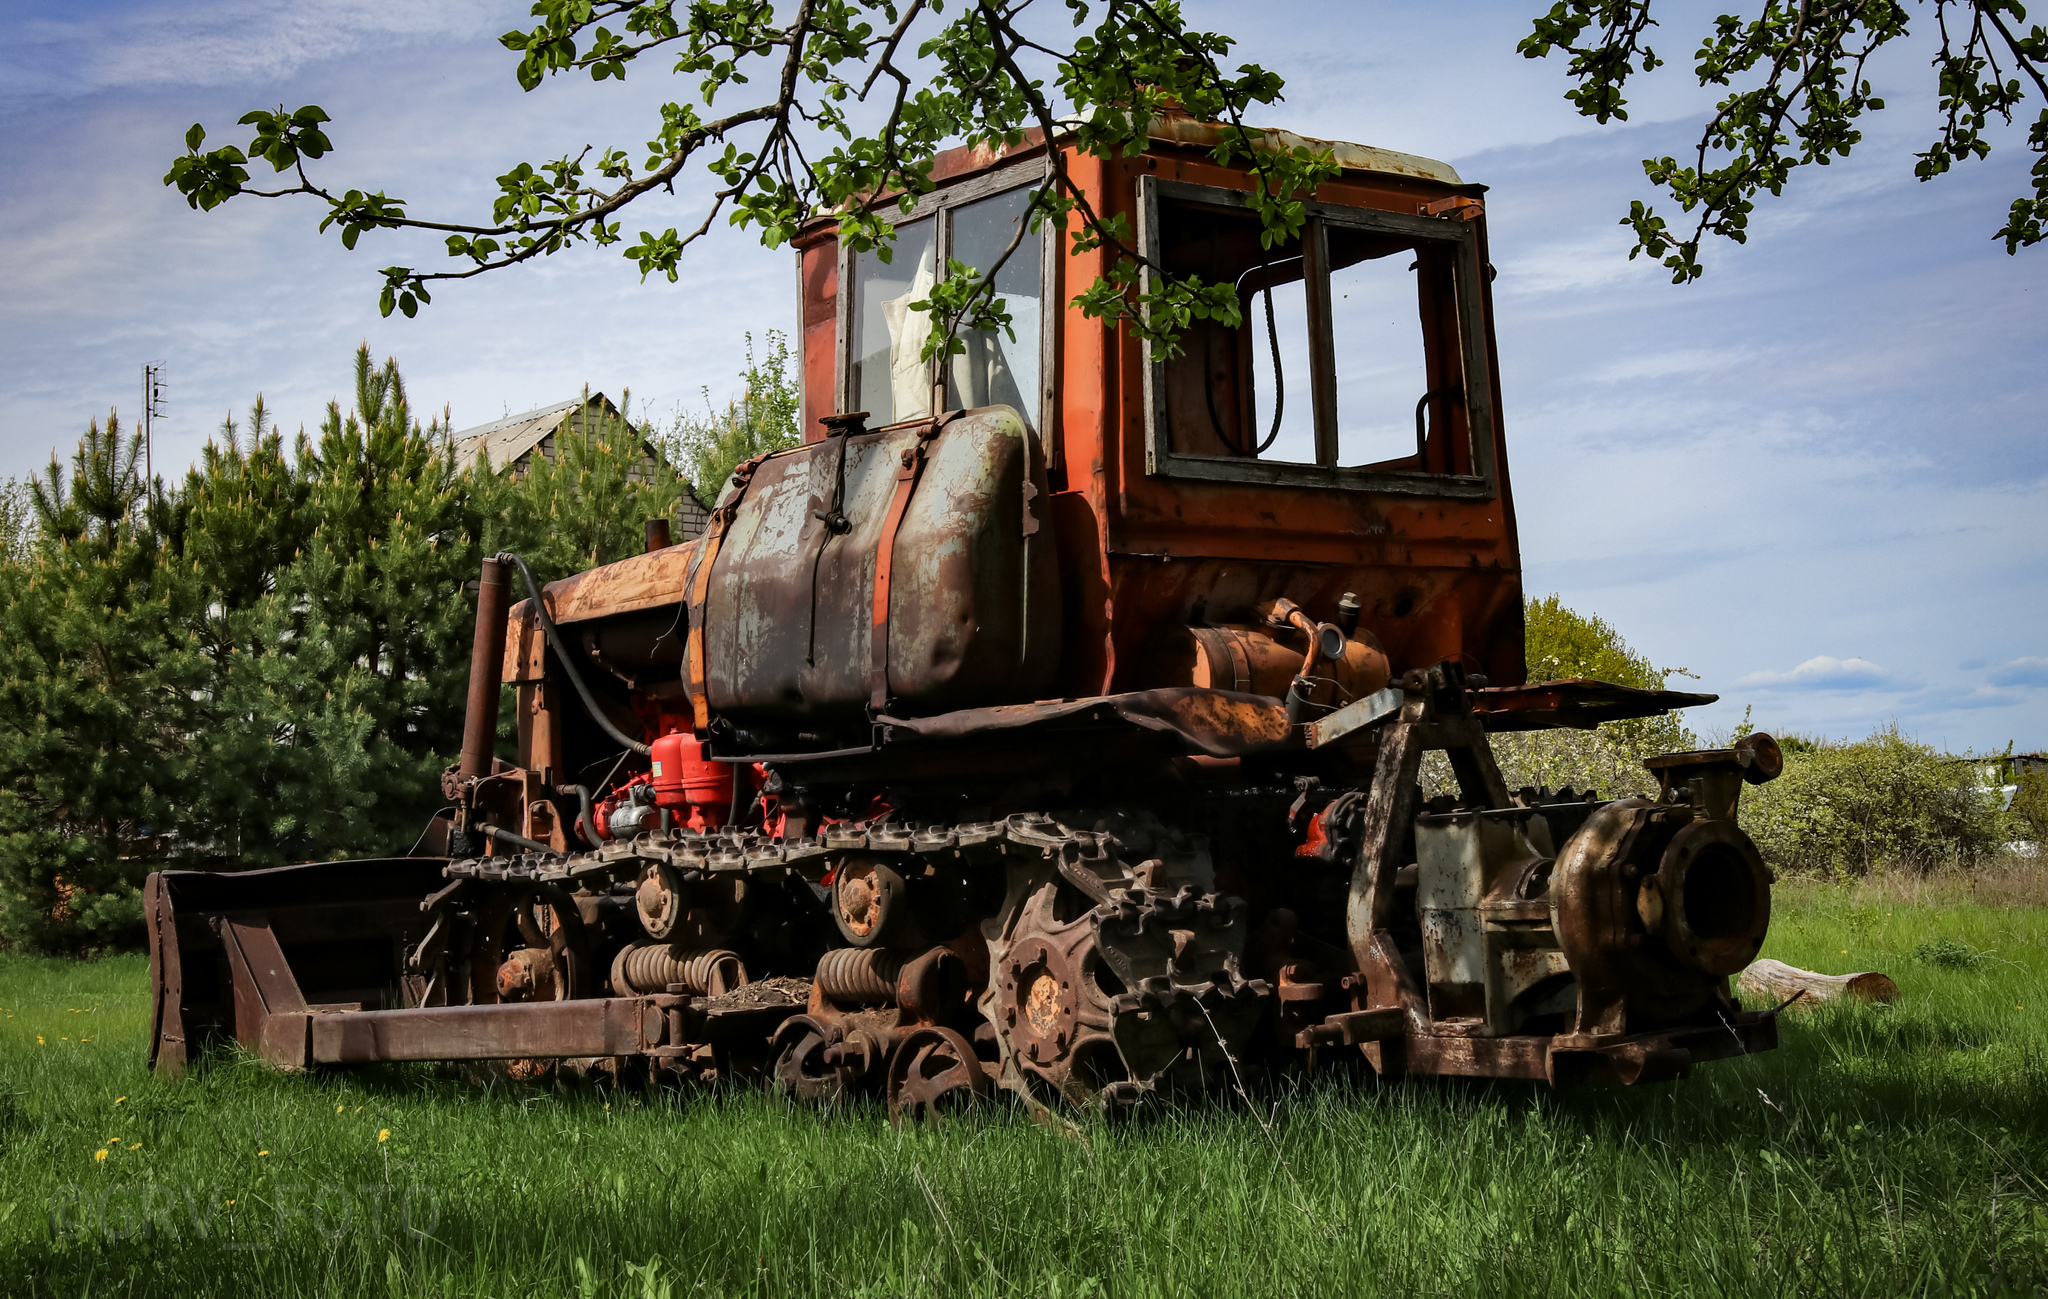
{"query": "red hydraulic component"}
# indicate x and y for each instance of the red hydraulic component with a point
(688, 782)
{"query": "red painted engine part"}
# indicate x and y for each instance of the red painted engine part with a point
(687, 782)
(627, 810)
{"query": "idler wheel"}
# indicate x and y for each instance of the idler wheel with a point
(933, 1072)
(659, 901)
(867, 901)
(808, 1066)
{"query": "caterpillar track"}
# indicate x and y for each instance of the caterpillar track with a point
(1098, 980)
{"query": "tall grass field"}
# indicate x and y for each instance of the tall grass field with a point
(1881, 1151)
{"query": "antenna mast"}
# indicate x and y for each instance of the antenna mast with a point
(152, 410)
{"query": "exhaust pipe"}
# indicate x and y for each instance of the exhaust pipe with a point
(486, 672)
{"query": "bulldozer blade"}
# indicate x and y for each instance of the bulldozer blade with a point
(241, 956)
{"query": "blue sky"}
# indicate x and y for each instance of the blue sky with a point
(1817, 479)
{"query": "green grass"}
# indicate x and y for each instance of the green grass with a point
(1880, 1151)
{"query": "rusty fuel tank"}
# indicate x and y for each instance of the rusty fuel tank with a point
(936, 525)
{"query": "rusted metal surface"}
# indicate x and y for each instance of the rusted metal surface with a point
(1218, 723)
(1068, 748)
(480, 717)
(339, 928)
(932, 1071)
(612, 1026)
(637, 582)
(972, 609)
(700, 971)
(1579, 704)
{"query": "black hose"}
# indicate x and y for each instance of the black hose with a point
(738, 811)
(554, 634)
(1279, 384)
(1279, 376)
(583, 821)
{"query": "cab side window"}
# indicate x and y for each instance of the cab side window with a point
(1350, 356)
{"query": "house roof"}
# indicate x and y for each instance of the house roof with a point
(515, 435)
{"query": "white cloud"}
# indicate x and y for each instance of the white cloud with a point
(1822, 672)
(1678, 363)
(2021, 672)
(217, 44)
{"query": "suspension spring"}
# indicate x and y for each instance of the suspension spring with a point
(647, 968)
(860, 974)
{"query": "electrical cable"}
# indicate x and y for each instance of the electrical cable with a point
(1279, 381)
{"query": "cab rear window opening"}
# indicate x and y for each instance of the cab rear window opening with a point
(1350, 360)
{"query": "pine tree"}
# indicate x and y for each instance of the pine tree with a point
(265, 663)
(373, 613)
(96, 702)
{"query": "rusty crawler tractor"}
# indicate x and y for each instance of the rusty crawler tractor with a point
(1053, 725)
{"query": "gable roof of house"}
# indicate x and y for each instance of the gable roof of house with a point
(513, 436)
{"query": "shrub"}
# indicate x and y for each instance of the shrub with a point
(1840, 810)
(1561, 645)
(1949, 954)
(2029, 811)
(709, 446)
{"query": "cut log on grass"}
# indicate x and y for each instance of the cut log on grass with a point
(1774, 981)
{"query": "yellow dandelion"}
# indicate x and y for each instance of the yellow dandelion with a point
(1845, 951)
(100, 1156)
(383, 1134)
(136, 1146)
(63, 1039)
(113, 1141)
(227, 1204)
(39, 1040)
(338, 1109)
(359, 1109)
(120, 1100)
(261, 1153)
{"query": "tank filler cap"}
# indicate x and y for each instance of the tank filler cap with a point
(1348, 610)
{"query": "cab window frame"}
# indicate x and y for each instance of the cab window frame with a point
(939, 206)
(1162, 461)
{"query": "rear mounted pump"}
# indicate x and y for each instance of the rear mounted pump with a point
(1657, 904)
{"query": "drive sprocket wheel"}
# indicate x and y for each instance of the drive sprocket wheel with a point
(1139, 994)
(1050, 1005)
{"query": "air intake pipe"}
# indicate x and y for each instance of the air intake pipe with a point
(486, 672)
